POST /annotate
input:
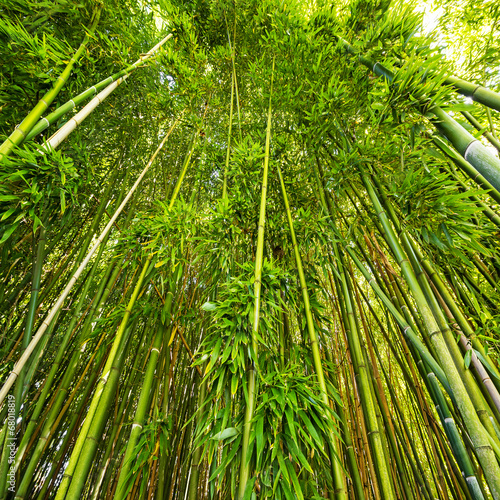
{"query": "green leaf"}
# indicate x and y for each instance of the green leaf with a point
(226, 433)
(209, 306)
(467, 358)
(10, 229)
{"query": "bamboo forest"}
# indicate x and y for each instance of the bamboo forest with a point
(249, 249)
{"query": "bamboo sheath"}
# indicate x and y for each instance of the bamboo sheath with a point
(37, 337)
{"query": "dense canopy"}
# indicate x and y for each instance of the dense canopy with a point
(249, 249)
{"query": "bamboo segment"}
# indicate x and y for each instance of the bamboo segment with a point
(476, 92)
(55, 140)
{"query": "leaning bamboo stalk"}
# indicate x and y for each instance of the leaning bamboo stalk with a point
(27, 124)
(81, 456)
(72, 103)
(76, 120)
(470, 148)
(476, 92)
(492, 140)
(29, 349)
(142, 407)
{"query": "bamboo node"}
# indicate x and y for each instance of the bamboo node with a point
(475, 90)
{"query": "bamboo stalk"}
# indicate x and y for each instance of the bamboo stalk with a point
(72, 103)
(476, 430)
(337, 472)
(251, 380)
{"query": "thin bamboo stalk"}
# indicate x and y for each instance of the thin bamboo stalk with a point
(259, 257)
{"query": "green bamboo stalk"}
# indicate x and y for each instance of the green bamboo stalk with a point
(28, 123)
(228, 151)
(472, 150)
(337, 472)
(30, 320)
(48, 120)
(476, 92)
(74, 475)
(233, 54)
(491, 138)
(142, 407)
(251, 382)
